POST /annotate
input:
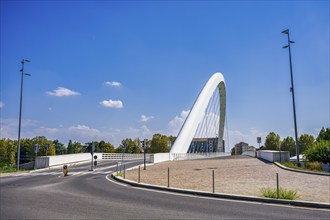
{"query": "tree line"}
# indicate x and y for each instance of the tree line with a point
(8, 148)
(314, 149)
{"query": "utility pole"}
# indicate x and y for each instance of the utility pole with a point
(20, 113)
(292, 91)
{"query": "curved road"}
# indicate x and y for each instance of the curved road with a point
(88, 194)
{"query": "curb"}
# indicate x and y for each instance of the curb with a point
(301, 171)
(225, 196)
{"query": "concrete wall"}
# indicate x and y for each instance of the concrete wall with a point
(44, 162)
(274, 156)
(250, 153)
(160, 157)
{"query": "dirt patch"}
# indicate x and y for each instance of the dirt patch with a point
(234, 175)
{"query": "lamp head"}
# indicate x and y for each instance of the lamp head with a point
(285, 31)
(285, 46)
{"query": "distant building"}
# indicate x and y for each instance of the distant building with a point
(239, 148)
(199, 145)
(251, 148)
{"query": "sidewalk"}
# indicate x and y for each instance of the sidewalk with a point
(239, 175)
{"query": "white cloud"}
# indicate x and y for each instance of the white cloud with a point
(176, 123)
(145, 118)
(2, 104)
(113, 84)
(145, 131)
(112, 103)
(83, 128)
(61, 91)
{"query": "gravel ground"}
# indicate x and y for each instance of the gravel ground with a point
(240, 175)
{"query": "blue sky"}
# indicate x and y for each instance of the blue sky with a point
(107, 70)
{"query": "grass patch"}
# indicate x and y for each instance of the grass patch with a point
(5, 168)
(120, 174)
(309, 166)
(283, 193)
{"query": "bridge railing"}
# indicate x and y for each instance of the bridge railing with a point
(118, 156)
(193, 156)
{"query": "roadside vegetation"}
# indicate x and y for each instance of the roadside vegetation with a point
(4, 168)
(8, 148)
(316, 151)
(283, 193)
(309, 166)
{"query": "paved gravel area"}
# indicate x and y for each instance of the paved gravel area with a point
(240, 175)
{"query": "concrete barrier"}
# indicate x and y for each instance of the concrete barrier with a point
(274, 156)
(250, 153)
(160, 157)
(44, 162)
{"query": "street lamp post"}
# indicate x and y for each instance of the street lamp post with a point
(20, 112)
(292, 91)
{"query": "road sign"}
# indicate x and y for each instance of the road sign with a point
(47, 146)
(258, 140)
(36, 148)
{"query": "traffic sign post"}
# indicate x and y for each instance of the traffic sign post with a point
(95, 162)
(36, 150)
(47, 146)
(144, 147)
(93, 148)
(259, 141)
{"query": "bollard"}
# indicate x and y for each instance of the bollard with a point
(117, 168)
(277, 186)
(139, 175)
(168, 177)
(213, 181)
(124, 171)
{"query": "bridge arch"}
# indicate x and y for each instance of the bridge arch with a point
(188, 130)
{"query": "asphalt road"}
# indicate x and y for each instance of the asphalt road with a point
(88, 194)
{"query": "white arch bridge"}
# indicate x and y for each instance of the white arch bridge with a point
(203, 130)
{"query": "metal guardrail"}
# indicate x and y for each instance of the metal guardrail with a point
(193, 156)
(174, 156)
(118, 156)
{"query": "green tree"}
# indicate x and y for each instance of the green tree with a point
(59, 147)
(138, 146)
(272, 141)
(128, 145)
(172, 140)
(305, 141)
(105, 147)
(70, 148)
(27, 151)
(74, 147)
(320, 151)
(42, 142)
(324, 135)
(159, 144)
(8, 150)
(288, 144)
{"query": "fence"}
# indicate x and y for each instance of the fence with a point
(118, 156)
(193, 156)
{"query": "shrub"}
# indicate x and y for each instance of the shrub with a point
(320, 152)
(313, 165)
(283, 193)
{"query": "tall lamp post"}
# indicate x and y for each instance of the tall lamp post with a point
(20, 112)
(292, 91)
